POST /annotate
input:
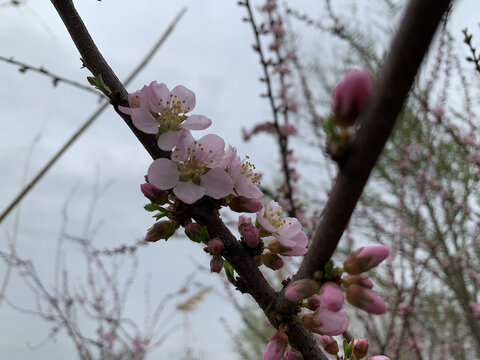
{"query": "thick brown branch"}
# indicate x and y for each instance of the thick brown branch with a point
(412, 41)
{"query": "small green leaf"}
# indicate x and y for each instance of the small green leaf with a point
(229, 272)
(98, 83)
(152, 207)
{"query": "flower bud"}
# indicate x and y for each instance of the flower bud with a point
(365, 258)
(365, 299)
(292, 354)
(360, 347)
(301, 289)
(273, 261)
(329, 344)
(197, 233)
(243, 221)
(216, 264)
(276, 347)
(379, 357)
(155, 195)
(350, 97)
(360, 280)
(161, 230)
(245, 204)
(215, 246)
(251, 236)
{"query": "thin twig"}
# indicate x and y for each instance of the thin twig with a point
(91, 119)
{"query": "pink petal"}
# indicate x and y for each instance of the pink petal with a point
(186, 96)
(263, 221)
(217, 183)
(158, 95)
(143, 120)
(214, 149)
(245, 188)
(188, 192)
(163, 174)
(197, 122)
(167, 141)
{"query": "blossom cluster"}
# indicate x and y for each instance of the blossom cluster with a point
(323, 300)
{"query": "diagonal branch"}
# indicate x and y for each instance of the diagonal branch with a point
(412, 41)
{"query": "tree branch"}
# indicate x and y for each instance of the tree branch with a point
(412, 41)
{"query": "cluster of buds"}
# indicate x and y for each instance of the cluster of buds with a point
(324, 297)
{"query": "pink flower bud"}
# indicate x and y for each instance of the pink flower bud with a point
(287, 130)
(197, 233)
(251, 236)
(360, 280)
(329, 344)
(273, 261)
(243, 221)
(216, 264)
(360, 347)
(379, 357)
(331, 296)
(161, 230)
(155, 195)
(365, 299)
(326, 322)
(245, 204)
(292, 354)
(301, 289)
(215, 246)
(276, 347)
(365, 258)
(350, 97)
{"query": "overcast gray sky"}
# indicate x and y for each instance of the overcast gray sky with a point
(210, 53)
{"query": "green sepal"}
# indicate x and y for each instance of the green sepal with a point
(98, 83)
(347, 348)
(153, 207)
(328, 268)
(331, 129)
(229, 272)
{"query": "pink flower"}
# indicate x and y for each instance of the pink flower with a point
(287, 231)
(194, 171)
(365, 258)
(157, 110)
(473, 157)
(243, 174)
(360, 347)
(276, 347)
(326, 322)
(468, 140)
(301, 289)
(365, 299)
(329, 344)
(350, 97)
(330, 296)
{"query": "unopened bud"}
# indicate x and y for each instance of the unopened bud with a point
(350, 97)
(161, 230)
(329, 344)
(360, 280)
(301, 289)
(216, 264)
(243, 221)
(155, 195)
(292, 354)
(197, 233)
(273, 261)
(251, 236)
(365, 299)
(215, 246)
(244, 204)
(360, 347)
(365, 258)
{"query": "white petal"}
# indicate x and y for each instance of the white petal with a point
(189, 192)
(163, 174)
(167, 141)
(158, 95)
